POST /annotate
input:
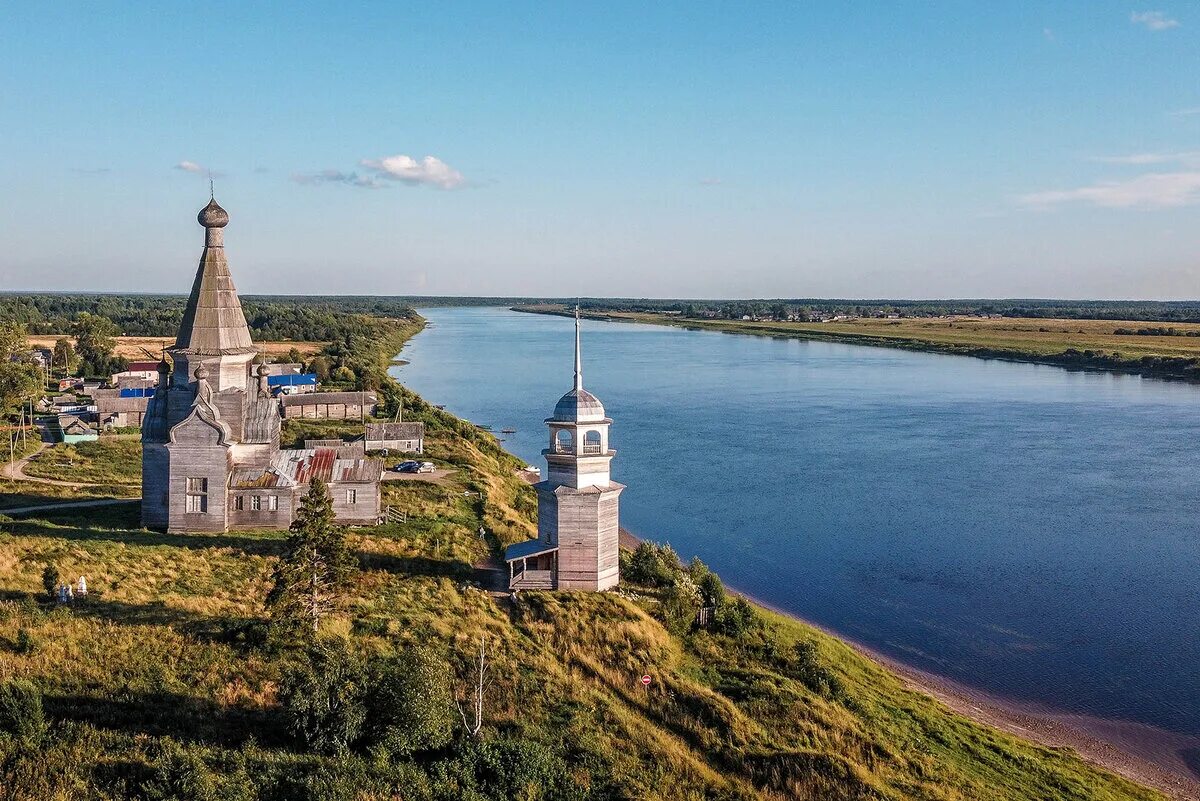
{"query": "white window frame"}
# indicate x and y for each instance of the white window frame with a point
(255, 503)
(351, 496)
(196, 495)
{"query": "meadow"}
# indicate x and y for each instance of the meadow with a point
(165, 656)
(163, 684)
(1064, 342)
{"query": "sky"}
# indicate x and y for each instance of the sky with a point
(691, 149)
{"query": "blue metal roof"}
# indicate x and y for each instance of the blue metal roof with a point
(292, 380)
(523, 550)
(137, 392)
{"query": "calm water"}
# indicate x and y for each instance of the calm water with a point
(1024, 529)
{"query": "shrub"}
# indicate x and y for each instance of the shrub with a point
(323, 698)
(180, 775)
(50, 581)
(651, 566)
(679, 605)
(521, 769)
(712, 591)
(24, 643)
(410, 706)
(21, 714)
(734, 618)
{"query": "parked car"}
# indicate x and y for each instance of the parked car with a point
(408, 467)
(426, 467)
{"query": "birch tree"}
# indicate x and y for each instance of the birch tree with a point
(477, 677)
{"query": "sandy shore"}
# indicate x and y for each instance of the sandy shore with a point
(1150, 756)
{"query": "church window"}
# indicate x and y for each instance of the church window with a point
(197, 495)
(238, 503)
(273, 503)
(351, 496)
(255, 503)
(562, 441)
(591, 442)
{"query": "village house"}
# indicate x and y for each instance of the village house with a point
(283, 368)
(211, 459)
(400, 437)
(134, 371)
(292, 383)
(331, 405)
(121, 412)
(577, 547)
(70, 429)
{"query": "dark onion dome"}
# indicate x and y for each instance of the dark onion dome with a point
(213, 216)
(580, 406)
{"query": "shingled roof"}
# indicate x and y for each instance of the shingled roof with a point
(391, 431)
(213, 322)
(322, 398)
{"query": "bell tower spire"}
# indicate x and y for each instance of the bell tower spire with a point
(578, 356)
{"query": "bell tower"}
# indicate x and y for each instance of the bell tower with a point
(578, 502)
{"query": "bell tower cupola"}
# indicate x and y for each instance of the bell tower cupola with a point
(578, 454)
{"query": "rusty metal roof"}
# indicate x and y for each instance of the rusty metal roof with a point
(293, 467)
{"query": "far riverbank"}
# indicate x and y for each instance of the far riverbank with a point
(1071, 344)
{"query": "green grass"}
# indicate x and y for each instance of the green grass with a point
(166, 655)
(108, 460)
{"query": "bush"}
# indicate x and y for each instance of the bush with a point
(806, 667)
(679, 604)
(323, 698)
(50, 581)
(21, 714)
(180, 775)
(734, 618)
(651, 565)
(24, 643)
(410, 706)
(521, 769)
(712, 591)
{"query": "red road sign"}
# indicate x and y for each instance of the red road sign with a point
(645, 681)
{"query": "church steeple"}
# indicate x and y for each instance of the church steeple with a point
(213, 322)
(214, 325)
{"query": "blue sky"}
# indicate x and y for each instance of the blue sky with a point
(688, 149)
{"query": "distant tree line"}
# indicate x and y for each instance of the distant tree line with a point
(805, 308)
(320, 319)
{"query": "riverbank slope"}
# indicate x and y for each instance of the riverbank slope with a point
(162, 678)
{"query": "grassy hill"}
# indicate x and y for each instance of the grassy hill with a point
(162, 683)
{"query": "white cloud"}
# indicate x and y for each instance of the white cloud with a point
(430, 171)
(337, 177)
(1151, 190)
(711, 181)
(1187, 158)
(1184, 112)
(1153, 20)
(198, 169)
(1048, 34)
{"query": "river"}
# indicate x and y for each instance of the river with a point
(1022, 529)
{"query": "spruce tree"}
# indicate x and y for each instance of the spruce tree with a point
(315, 568)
